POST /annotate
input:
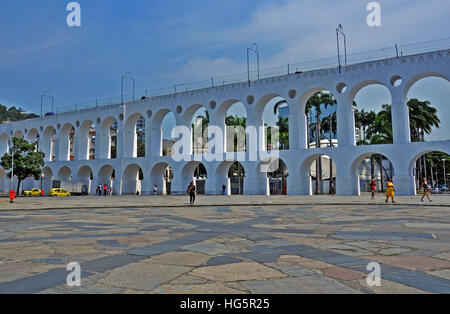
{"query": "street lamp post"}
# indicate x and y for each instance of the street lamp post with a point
(13, 148)
(445, 174)
(340, 32)
(48, 95)
(252, 48)
(38, 146)
(128, 76)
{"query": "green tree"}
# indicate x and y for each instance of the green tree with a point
(422, 118)
(27, 161)
(236, 121)
(14, 114)
(315, 103)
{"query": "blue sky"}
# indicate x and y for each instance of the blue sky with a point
(173, 41)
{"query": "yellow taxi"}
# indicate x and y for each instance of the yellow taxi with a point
(58, 193)
(33, 192)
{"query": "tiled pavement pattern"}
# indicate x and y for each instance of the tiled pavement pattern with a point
(88, 202)
(226, 249)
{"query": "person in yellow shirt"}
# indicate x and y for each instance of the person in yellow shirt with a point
(390, 191)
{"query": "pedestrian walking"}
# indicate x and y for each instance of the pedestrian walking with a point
(191, 191)
(426, 190)
(390, 191)
(105, 190)
(224, 187)
(99, 190)
(332, 188)
(155, 190)
(373, 186)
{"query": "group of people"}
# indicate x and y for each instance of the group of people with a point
(107, 191)
(390, 190)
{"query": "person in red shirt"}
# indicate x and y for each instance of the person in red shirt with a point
(373, 185)
(12, 196)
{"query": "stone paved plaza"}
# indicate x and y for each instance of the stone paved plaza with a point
(272, 248)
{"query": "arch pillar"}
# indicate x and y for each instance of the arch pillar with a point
(256, 183)
(293, 185)
(345, 121)
(120, 140)
(146, 186)
(153, 142)
(405, 185)
(400, 114)
(81, 145)
(296, 122)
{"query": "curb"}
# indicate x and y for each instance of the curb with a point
(143, 206)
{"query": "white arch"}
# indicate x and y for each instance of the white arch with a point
(130, 180)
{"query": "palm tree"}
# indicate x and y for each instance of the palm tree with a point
(283, 127)
(316, 102)
(423, 118)
(236, 121)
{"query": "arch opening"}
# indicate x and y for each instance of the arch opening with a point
(199, 128)
(48, 144)
(236, 124)
(132, 180)
(277, 174)
(427, 101)
(434, 166)
(275, 118)
(107, 175)
(372, 167)
(165, 122)
(161, 177)
(134, 137)
(195, 172)
(373, 115)
(321, 114)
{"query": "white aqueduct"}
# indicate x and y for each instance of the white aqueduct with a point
(296, 89)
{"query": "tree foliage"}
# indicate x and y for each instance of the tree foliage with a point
(14, 114)
(27, 161)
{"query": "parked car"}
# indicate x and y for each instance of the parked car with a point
(443, 188)
(33, 192)
(59, 193)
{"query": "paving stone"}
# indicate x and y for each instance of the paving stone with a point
(211, 248)
(152, 250)
(37, 283)
(445, 256)
(441, 273)
(343, 273)
(299, 285)
(343, 260)
(293, 270)
(143, 276)
(422, 263)
(179, 258)
(260, 257)
(237, 272)
(420, 281)
(210, 288)
(110, 262)
(390, 287)
(222, 260)
(10, 272)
